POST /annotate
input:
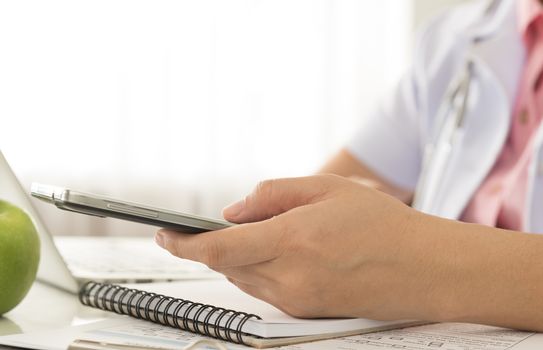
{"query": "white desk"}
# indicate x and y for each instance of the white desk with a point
(45, 308)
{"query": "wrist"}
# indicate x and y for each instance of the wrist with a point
(484, 275)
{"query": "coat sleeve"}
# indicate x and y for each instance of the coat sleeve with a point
(389, 139)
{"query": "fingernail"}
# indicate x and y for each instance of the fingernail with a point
(159, 239)
(235, 209)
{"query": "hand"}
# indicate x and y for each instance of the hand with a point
(399, 193)
(317, 246)
(325, 246)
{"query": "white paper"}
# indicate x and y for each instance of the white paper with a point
(124, 330)
(447, 336)
(142, 333)
(443, 336)
(57, 339)
(274, 323)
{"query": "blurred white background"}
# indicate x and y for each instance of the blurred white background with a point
(188, 104)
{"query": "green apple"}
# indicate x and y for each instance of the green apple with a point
(19, 255)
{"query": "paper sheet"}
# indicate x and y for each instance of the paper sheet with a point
(126, 331)
(142, 333)
(444, 336)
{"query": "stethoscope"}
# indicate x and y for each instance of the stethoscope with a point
(437, 153)
(451, 117)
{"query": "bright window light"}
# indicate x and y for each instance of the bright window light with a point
(187, 104)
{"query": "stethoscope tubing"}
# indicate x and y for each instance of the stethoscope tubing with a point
(437, 153)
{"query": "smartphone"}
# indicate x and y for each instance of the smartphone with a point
(97, 205)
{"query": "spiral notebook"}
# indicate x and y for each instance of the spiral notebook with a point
(218, 309)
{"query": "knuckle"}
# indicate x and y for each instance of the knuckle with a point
(264, 189)
(333, 181)
(329, 179)
(286, 232)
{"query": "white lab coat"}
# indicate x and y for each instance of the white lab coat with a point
(392, 139)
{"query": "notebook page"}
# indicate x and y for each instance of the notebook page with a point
(133, 332)
(274, 323)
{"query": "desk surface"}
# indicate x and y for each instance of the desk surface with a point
(44, 308)
(47, 308)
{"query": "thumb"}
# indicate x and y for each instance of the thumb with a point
(273, 197)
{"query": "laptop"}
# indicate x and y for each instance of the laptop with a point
(67, 262)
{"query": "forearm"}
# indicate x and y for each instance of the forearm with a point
(345, 164)
(483, 274)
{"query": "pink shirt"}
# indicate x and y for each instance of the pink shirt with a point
(501, 199)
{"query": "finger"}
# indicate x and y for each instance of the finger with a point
(235, 246)
(366, 182)
(273, 197)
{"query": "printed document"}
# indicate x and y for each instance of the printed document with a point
(443, 336)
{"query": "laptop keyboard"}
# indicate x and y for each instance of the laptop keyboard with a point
(126, 259)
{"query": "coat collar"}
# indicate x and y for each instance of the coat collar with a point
(498, 55)
(498, 44)
(491, 18)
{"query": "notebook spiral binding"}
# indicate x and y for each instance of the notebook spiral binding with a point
(173, 312)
